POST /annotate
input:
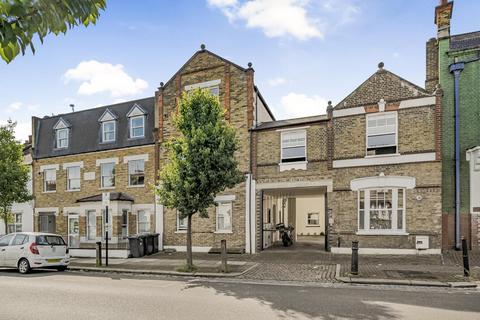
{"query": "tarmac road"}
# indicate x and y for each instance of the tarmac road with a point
(54, 295)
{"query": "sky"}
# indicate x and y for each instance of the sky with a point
(304, 52)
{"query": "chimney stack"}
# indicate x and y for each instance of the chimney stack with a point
(443, 14)
(431, 63)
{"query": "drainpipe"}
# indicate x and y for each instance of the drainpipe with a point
(456, 69)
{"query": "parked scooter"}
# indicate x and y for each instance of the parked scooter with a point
(286, 234)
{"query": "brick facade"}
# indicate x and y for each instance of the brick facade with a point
(65, 202)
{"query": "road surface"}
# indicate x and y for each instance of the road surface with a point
(55, 295)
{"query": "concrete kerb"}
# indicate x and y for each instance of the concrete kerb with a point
(401, 282)
(162, 272)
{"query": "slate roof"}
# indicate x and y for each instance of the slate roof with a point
(290, 122)
(114, 196)
(465, 41)
(85, 130)
(383, 84)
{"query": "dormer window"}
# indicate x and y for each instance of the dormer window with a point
(108, 131)
(137, 127)
(108, 126)
(136, 121)
(61, 134)
(62, 138)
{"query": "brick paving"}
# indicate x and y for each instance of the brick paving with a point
(309, 263)
(291, 272)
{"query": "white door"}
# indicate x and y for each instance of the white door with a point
(73, 231)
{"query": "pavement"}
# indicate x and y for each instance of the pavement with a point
(55, 295)
(307, 263)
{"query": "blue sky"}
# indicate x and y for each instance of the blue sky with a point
(304, 52)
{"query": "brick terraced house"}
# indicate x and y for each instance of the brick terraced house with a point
(369, 170)
(233, 216)
(79, 155)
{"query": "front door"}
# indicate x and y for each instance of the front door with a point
(46, 223)
(73, 231)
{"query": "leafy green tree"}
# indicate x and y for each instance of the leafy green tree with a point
(13, 173)
(201, 160)
(20, 20)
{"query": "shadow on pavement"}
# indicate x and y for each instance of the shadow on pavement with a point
(347, 302)
(4, 272)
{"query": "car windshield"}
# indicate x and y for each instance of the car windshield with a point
(50, 241)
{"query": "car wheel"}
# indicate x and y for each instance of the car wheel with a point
(23, 266)
(62, 268)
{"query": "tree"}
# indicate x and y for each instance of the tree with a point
(20, 20)
(14, 174)
(201, 160)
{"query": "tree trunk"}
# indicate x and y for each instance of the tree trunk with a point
(189, 244)
(6, 225)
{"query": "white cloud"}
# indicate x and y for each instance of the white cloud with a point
(295, 105)
(300, 19)
(99, 77)
(276, 18)
(277, 81)
(16, 106)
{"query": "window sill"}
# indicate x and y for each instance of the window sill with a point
(382, 233)
(383, 155)
(181, 231)
(313, 226)
(106, 188)
(75, 190)
(223, 232)
(49, 191)
(139, 186)
(299, 165)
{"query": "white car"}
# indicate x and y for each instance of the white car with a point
(29, 250)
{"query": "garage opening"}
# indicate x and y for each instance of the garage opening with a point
(301, 210)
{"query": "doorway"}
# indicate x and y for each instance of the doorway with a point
(46, 222)
(73, 231)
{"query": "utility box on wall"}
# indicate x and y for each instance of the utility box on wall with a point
(422, 243)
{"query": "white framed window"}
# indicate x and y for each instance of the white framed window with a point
(49, 180)
(108, 131)
(137, 127)
(73, 178)
(212, 86)
(381, 210)
(136, 172)
(224, 216)
(143, 221)
(182, 223)
(107, 175)
(382, 133)
(61, 136)
(313, 219)
(16, 224)
(124, 224)
(294, 146)
(91, 225)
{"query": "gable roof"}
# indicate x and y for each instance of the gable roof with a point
(465, 41)
(203, 51)
(107, 116)
(85, 130)
(383, 84)
(136, 110)
(61, 124)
